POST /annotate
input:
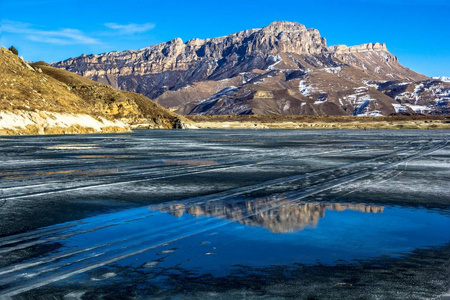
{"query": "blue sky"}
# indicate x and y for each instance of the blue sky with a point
(417, 31)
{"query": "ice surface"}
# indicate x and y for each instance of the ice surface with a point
(163, 212)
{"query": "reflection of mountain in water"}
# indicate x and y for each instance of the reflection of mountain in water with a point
(289, 217)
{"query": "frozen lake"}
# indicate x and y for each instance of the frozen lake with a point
(229, 214)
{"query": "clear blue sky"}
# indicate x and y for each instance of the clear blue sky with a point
(417, 31)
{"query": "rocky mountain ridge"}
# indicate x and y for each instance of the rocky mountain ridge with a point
(290, 217)
(283, 68)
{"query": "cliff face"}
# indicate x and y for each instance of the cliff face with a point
(153, 70)
(39, 99)
(227, 75)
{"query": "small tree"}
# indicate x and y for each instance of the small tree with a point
(14, 50)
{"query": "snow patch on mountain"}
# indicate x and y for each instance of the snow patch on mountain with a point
(442, 78)
(305, 89)
(334, 70)
(277, 59)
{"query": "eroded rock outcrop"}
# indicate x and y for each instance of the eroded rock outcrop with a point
(343, 49)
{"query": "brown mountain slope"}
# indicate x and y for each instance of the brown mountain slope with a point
(41, 99)
(293, 64)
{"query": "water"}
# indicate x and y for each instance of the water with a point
(228, 214)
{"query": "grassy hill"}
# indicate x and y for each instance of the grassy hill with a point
(39, 99)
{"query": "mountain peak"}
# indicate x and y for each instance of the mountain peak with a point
(279, 26)
(176, 41)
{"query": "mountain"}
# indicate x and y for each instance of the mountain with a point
(281, 69)
(39, 99)
(289, 217)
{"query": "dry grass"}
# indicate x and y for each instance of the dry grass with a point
(323, 122)
(40, 87)
(313, 119)
(24, 89)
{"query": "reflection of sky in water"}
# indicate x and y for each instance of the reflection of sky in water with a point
(210, 244)
(342, 235)
(339, 235)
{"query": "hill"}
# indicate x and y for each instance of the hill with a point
(40, 99)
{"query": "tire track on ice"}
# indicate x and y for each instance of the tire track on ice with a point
(68, 269)
(190, 201)
(121, 178)
(194, 201)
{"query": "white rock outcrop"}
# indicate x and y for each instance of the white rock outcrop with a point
(44, 122)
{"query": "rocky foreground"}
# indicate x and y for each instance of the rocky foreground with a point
(39, 99)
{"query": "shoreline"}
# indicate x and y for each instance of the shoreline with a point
(321, 122)
(318, 126)
(44, 127)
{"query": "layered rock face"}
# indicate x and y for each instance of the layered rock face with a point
(283, 68)
(196, 60)
(343, 49)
